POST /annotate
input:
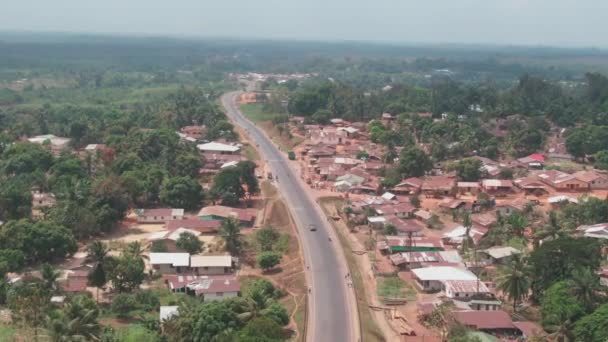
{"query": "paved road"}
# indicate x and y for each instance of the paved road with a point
(332, 312)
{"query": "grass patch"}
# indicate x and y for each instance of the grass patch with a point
(256, 113)
(392, 287)
(7, 333)
(369, 330)
(251, 153)
(299, 316)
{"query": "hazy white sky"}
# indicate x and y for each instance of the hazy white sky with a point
(544, 22)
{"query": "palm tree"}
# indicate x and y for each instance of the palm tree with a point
(134, 248)
(552, 229)
(586, 287)
(230, 231)
(49, 275)
(517, 224)
(76, 322)
(514, 281)
(468, 224)
(562, 329)
(97, 253)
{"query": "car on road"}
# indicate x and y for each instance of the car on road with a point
(312, 227)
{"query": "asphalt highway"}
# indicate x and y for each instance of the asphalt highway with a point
(332, 314)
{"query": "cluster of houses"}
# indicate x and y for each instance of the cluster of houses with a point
(210, 276)
(341, 157)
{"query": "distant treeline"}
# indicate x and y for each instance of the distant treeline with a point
(374, 63)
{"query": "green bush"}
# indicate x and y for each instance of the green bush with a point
(291, 155)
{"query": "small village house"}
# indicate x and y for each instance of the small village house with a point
(212, 288)
(492, 322)
(465, 289)
(55, 144)
(211, 264)
(495, 186)
(160, 215)
(438, 185)
(399, 244)
(596, 231)
(405, 227)
(412, 260)
(530, 185)
(533, 161)
(219, 148)
(468, 188)
(593, 179)
(170, 263)
(433, 278)
(219, 212)
(562, 181)
(195, 224)
(498, 254)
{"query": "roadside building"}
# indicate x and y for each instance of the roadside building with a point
(398, 244)
(412, 260)
(433, 278)
(219, 212)
(219, 148)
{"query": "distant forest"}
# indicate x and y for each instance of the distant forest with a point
(366, 64)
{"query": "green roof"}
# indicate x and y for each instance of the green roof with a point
(414, 249)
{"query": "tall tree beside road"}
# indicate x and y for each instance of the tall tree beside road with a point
(227, 186)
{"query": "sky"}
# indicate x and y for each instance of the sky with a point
(569, 23)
